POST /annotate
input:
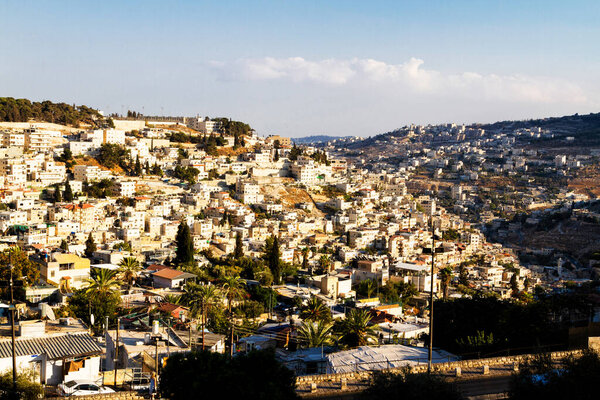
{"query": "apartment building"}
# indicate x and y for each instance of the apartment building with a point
(90, 173)
(13, 139)
(41, 140)
(248, 192)
(68, 271)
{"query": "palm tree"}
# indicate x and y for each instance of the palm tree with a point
(324, 262)
(200, 299)
(315, 334)
(103, 282)
(445, 278)
(232, 290)
(173, 299)
(305, 252)
(370, 287)
(128, 270)
(355, 329)
(315, 310)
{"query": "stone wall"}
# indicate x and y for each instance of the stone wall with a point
(107, 396)
(438, 367)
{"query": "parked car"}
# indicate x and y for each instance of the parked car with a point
(81, 388)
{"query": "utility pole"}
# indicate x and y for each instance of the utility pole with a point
(231, 337)
(12, 326)
(203, 319)
(117, 351)
(156, 339)
(430, 356)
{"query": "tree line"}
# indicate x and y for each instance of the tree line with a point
(22, 110)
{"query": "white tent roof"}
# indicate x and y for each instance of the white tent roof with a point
(411, 267)
(370, 358)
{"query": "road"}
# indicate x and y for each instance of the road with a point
(492, 387)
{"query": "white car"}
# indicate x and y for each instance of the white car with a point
(81, 388)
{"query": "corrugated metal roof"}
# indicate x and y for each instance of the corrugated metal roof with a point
(68, 345)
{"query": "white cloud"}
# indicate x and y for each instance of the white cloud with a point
(410, 77)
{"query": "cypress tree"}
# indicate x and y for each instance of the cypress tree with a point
(68, 192)
(138, 167)
(90, 246)
(225, 218)
(64, 245)
(274, 259)
(185, 245)
(239, 249)
(57, 194)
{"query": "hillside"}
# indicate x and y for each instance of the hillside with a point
(585, 128)
(23, 110)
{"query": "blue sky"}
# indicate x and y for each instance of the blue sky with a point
(299, 68)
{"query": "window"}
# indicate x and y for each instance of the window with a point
(66, 266)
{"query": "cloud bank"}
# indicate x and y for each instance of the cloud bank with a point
(409, 77)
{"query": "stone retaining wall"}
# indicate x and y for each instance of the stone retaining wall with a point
(107, 396)
(438, 367)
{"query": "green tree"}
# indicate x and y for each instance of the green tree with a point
(68, 192)
(201, 299)
(478, 342)
(539, 378)
(156, 170)
(137, 171)
(397, 292)
(123, 246)
(238, 252)
(90, 246)
(272, 256)
(294, 153)
(22, 267)
(463, 276)
(233, 289)
(57, 195)
(305, 252)
(256, 375)
(366, 288)
(27, 389)
(315, 334)
(354, 330)
(64, 246)
(514, 285)
(111, 155)
(101, 297)
(129, 268)
(224, 219)
(445, 279)
(185, 245)
(104, 281)
(324, 263)
(315, 310)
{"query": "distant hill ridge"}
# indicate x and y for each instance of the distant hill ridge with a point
(317, 139)
(584, 127)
